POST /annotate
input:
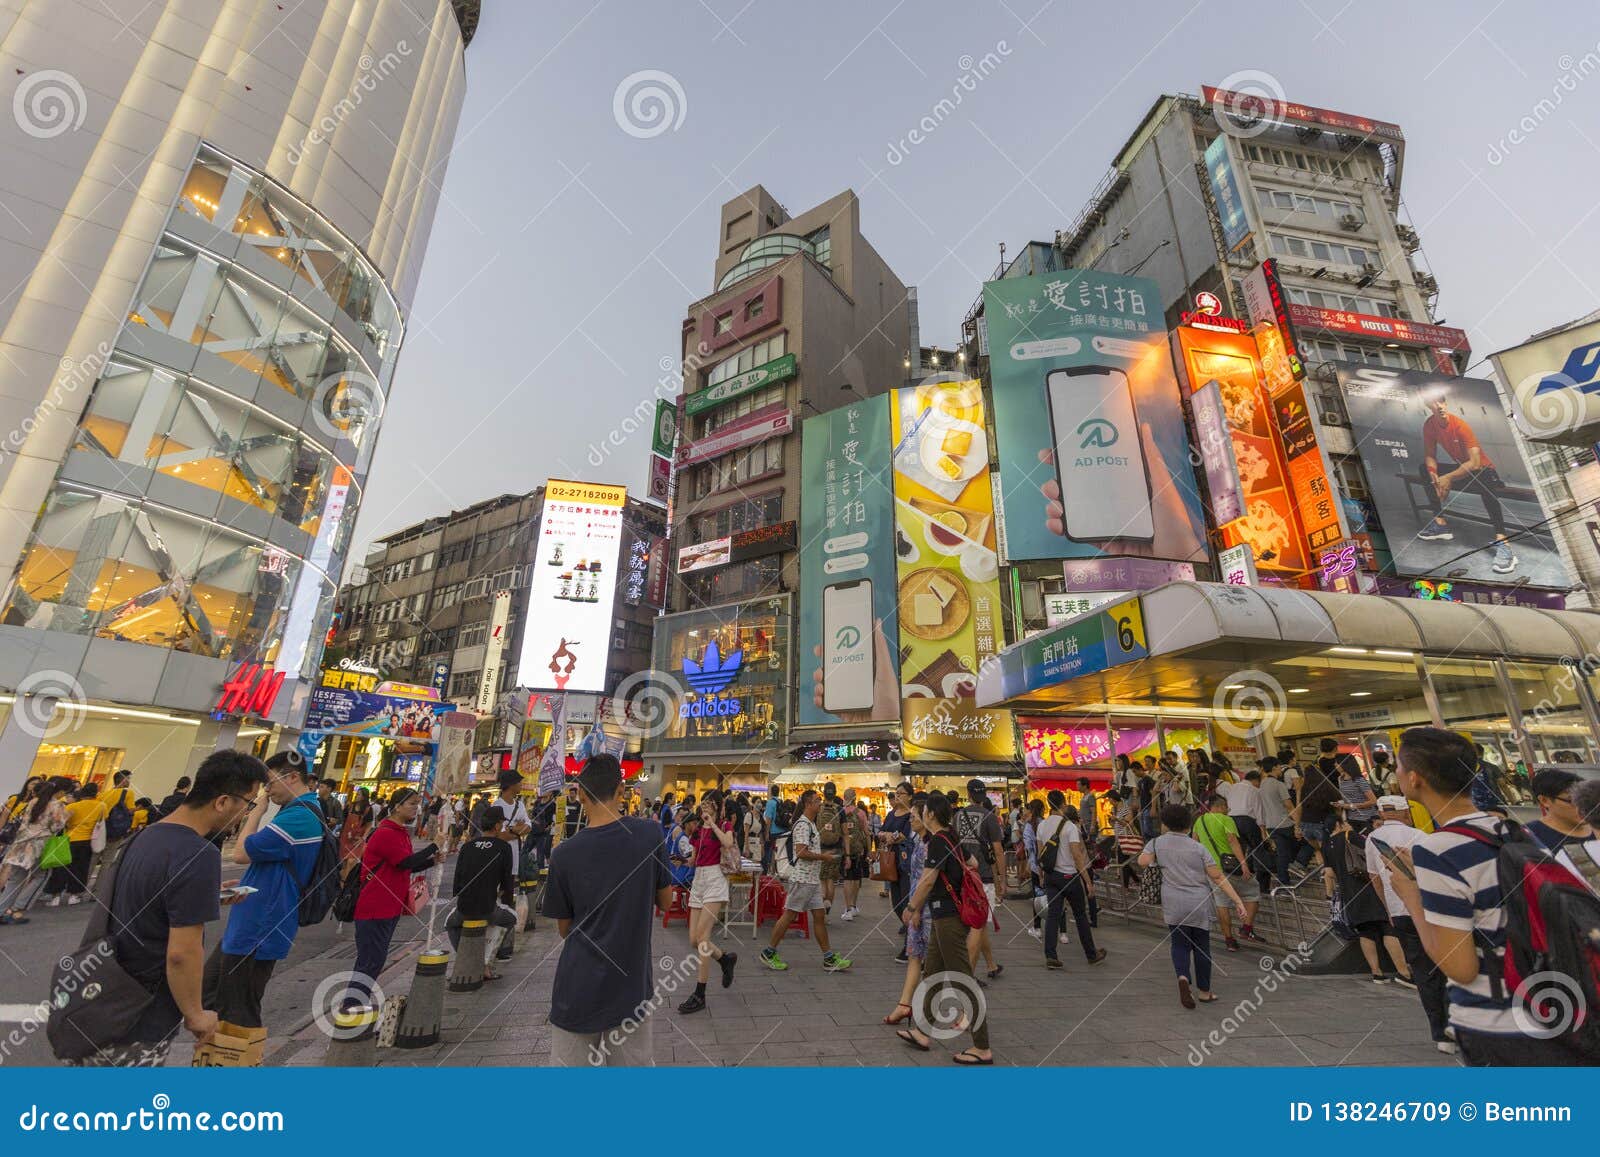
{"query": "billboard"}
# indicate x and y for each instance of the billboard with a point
(566, 639)
(849, 637)
(1253, 105)
(1448, 478)
(1094, 456)
(1269, 523)
(1225, 192)
(494, 654)
(948, 573)
(1555, 384)
(664, 435)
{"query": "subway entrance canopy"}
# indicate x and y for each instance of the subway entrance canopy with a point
(1306, 662)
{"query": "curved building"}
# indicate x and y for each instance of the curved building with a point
(211, 227)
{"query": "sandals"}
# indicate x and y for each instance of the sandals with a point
(905, 1034)
(996, 971)
(895, 1017)
(970, 1058)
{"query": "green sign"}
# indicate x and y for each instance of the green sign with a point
(777, 370)
(665, 436)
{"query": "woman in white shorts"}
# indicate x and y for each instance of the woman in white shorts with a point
(709, 896)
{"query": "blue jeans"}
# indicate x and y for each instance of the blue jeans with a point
(1191, 946)
(1285, 844)
(1148, 827)
(372, 950)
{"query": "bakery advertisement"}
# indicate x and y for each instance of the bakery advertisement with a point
(948, 572)
(1088, 421)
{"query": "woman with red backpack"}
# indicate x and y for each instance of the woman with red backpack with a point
(953, 891)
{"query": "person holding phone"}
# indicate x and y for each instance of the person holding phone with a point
(708, 896)
(1393, 832)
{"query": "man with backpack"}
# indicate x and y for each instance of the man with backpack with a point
(830, 830)
(1494, 908)
(119, 800)
(979, 834)
(1065, 865)
(801, 862)
(283, 859)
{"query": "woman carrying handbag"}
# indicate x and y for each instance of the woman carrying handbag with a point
(37, 845)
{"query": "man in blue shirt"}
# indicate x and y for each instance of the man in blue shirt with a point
(282, 855)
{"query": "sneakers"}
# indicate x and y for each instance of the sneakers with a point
(695, 1003)
(1448, 1047)
(902, 958)
(53, 901)
(770, 957)
(1379, 978)
(833, 962)
(849, 914)
(1036, 933)
(1232, 944)
(1099, 955)
(1406, 982)
(71, 900)
(729, 959)
(1052, 962)
(1435, 532)
(1505, 560)
(1248, 932)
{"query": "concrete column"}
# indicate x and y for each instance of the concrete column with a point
(1508, 692)
(20, 738)
(1430, 696)
(209, 737)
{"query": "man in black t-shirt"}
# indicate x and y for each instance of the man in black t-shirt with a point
(485, 887)
(572, 815)
(164, 888)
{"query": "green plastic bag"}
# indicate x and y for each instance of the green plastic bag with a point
(57, 852)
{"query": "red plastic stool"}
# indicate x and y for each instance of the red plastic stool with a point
(769, 896)
(677, 907)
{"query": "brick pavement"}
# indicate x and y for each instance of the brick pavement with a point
(1122, 1012)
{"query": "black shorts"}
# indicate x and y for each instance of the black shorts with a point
(1374, 930)
(857, 869)
(232, 987)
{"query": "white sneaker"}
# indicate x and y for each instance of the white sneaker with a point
(1448, 1047)
(1036, 933)
(71, 900)
(53, 901)
(847, 915)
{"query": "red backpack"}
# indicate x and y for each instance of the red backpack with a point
(972, 905)
(1551, 965)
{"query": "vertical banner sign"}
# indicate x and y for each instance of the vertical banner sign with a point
(949, 574)
(1216, 451)
(1267, 307)
(664, 438)
(494, 653)
(1225, 192)
(1088, 421)
(1269, 524)
(1317, 503)
(566, 641)
(553, 767)
(849, 627)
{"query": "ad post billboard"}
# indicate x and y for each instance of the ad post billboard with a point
(948, 572)
(849, 638)
(1094, 455)
(566, 640)
(1448, 478)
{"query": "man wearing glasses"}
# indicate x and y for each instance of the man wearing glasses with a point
(282, 855)
(1561, 827)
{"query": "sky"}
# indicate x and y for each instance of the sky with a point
(571, 236)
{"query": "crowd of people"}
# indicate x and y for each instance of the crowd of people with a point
(1417, 855)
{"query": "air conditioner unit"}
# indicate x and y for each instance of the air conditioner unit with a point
(1351, 223)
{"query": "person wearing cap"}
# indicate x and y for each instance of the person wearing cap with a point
(1392, 832)
(1561, 827)
(604, 882)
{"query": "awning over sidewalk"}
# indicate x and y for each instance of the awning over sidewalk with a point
(1180, 643)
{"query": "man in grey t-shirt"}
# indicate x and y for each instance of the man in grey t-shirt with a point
(979, 833)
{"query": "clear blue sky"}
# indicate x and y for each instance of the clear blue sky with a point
(566, 249)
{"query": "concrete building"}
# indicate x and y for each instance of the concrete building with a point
(805, 316)
(217, 214)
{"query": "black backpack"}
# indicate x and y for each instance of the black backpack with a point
(783, 820)
(119, 820)
(322, 888)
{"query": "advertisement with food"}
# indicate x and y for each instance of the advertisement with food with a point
(1449, 479)
(849, 634)
(1269, 523)
(948, 573)
(1094, 456)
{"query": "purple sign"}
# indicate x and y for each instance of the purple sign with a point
(1124, 574)
(1477, 594)
(1216, 452)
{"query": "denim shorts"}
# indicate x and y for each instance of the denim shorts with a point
(1312, 830)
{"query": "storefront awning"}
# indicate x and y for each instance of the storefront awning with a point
(1194, 637)
(843, 775)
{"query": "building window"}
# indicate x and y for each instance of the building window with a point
(464, 684)
(742, 580)
(748, 358)
(1285, 245)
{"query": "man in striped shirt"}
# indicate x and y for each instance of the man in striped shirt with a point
(1450, 886)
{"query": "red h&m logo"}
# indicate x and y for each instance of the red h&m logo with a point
(251, 690)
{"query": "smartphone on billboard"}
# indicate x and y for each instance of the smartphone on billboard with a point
(847, 652)
(1100, 466)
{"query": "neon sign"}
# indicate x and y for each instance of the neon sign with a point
(251, 690)
(712, 673)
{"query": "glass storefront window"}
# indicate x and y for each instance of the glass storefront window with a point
(1180, 736)
(752, 709)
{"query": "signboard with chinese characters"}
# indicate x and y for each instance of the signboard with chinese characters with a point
(636, 572)
(1124, 574)
(704, 555)
(1448, 591)
(1395, 329)
(1267, 307)
(1216, 451)
(1108, 637)
(1088, 422)
(664, 436)
(1238, 565)
(1058, 608)
(351, 674)
(1316, 501)
(948, 571)
(566, 638)
(1225, 192)
(769, 422)
(777, 370)
(1247, 107)
(1056, 744)
(853, 751)
(848, 634)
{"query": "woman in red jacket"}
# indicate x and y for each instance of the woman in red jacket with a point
(387, 865)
